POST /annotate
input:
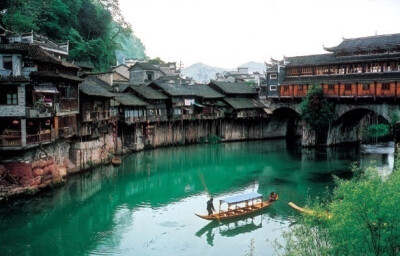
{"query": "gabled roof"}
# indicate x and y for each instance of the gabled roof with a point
(244, 103)
(204, 91)
(145, 66)
(121, 86)
(174, 89)
(127, 99)
(34, 53)
(330, 58)
(93, 89)
(100, 82)
(84, 64)
(50, 74)
(232, 88)
(148, 93)
(367, 43)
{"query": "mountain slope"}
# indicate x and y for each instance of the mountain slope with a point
(201, 73)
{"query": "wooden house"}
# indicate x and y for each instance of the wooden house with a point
(358, 68)
(241, 98)
(142, 73)
(156, 110)
(180, 99)
(208, 102)
(41, 94)
(94, 110)
(129, 108)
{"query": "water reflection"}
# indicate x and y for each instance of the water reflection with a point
(230, 228)
(150, 200)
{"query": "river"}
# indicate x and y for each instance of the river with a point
(146, 206)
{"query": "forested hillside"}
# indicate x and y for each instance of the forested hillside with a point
(95, 29)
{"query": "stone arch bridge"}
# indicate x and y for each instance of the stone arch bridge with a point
(350, 119)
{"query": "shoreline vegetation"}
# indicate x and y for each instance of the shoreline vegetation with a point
(363, 218)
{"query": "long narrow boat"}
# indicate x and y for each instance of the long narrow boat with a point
(238, 206)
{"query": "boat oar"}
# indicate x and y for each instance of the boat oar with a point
(203, 181)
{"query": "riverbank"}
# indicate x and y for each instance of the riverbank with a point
(27, 172)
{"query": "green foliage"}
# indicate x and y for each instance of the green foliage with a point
(316, 110)
(377, 130)
(156, 60)
(395, 118)
(95, 28)
(365, 219)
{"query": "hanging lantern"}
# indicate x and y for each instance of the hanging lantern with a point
(15, 122)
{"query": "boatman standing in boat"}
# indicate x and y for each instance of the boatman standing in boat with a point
(210, 206)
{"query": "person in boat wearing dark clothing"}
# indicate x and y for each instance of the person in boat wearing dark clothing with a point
(272, 197)
(210, 206)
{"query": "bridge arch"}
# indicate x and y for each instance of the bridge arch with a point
(289, 119)
(349, 125)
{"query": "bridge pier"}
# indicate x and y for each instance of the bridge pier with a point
(396, 146)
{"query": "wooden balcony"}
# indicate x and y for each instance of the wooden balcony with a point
(42, 137)
(95, 115)
(10, 141)
(68, 105)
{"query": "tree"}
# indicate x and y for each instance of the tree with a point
(317, 111)
(365, 219)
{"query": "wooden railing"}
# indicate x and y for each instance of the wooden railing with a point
(10, 141)
(68, 104)
(38, 138)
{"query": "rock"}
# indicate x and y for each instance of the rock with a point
(21, 172)
(62, 171)
(37, 172)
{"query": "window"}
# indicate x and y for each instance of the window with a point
(272, 87)
(177, 111)
(7, 63)
(150, 75)
(365, 87)
(8, 95)
(385, 86)
(331, 87)
(300, 88)
(347, 87)
(67, 91)
(286, 88)
(273, 76)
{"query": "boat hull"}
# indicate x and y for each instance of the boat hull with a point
(243, 211)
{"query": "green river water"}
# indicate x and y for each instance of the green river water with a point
(146, 206)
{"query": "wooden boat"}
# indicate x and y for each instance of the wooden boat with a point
(238, 206)
(116, 161)
(325, 215)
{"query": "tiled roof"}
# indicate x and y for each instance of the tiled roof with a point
(174, 89)
(369, 77)
(50, 74)
(204, 91)
(233, 88)
(146, 66)
(148, 93)
(6, 79)
(244, 103)
(84, 64)
(127, 99)
(34, 53)
(368, 43)
(100, 82)
(93, 89)
(329, 58)
(121, 86)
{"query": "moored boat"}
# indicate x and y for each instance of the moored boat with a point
(239, 206)
(116, 161)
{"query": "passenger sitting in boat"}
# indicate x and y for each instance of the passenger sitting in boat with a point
(210, 206)
(272, 197)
